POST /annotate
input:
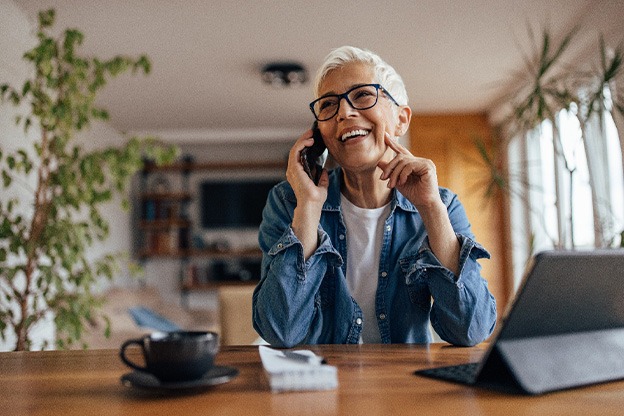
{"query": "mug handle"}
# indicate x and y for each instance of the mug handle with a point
(126, 360)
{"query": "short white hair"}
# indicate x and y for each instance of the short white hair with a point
(384, 73)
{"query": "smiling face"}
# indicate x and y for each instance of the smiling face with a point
(355, 138)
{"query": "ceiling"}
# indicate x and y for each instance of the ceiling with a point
(454, 56)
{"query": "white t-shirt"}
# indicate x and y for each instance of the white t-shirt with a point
(365, 228)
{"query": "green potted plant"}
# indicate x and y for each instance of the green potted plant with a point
(44, 238)
(547, 84)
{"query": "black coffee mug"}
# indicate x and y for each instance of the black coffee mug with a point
(175, 356)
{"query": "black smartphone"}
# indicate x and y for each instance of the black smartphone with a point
(313, 158)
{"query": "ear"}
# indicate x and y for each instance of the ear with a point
(404, 114)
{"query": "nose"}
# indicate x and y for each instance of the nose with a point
(345, 109)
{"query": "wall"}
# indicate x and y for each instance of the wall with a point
(448, 140)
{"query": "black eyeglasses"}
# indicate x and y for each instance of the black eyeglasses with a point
(361, 97)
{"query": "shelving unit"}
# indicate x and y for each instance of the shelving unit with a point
(165, 227)
(164, 224)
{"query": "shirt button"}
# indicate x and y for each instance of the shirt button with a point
(341, 236)
(382, 316)
(384, 274)
(388, 228)
(358, 321)
(280, 245)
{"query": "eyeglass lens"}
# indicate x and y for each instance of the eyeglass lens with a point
(360, 98)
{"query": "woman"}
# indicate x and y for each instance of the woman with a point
(360, 257)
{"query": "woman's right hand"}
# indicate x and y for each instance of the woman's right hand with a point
(305, 189)
(310, 197)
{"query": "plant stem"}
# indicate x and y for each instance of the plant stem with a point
(37, 226)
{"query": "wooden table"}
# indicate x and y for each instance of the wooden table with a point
(374, 380)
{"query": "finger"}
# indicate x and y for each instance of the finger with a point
(300, 144)
(294, 157)
(407, 170)
(401, 171)
(388, 167)
(395, 145)
(324, 179)
(390, 171)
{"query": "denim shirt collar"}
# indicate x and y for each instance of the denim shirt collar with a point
(332, 203)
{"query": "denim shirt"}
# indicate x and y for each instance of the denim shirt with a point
(299, 301)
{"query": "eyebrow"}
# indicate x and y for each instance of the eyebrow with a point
(330, 93)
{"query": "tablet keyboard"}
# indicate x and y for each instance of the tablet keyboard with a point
(463, 373)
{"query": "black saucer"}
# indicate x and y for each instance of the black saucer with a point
(216, 375)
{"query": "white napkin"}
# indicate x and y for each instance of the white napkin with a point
(289, 370)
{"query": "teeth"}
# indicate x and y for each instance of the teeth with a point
(353, 133)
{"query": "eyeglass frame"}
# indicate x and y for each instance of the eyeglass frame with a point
(345, 95)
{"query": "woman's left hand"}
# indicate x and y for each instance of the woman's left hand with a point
(415, 177)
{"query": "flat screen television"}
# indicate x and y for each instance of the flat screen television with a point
(233, 204)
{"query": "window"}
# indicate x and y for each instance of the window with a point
(566, 189)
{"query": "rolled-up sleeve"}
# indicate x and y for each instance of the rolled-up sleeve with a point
(463, 311)
(286, 300)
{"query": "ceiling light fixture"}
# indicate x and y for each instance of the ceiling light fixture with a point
(284, 74)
